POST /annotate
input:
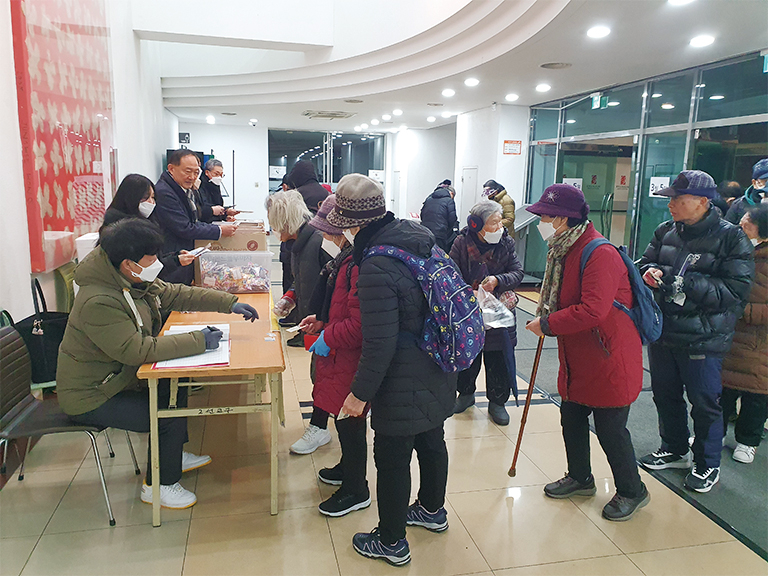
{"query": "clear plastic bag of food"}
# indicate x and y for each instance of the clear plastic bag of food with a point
(495, 314)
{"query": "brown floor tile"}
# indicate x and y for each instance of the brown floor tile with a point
(727, 558)
(605, 566)
(27, 506)
(14, 553)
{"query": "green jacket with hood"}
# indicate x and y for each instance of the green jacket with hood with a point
(105, 343)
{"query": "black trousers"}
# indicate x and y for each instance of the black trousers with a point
(496, 377)
(129, 410)
(751, 419)
(354, 454)
(611, 428)
(393, 481)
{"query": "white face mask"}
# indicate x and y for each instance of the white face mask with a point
(149, 273)
(146, 208)
(330, 247)
(546, 229)
(758, 186)
(217, 180)
(349, 236)
(494, 237)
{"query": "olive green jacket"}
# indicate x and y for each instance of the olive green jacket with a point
(508, 209)
(105, 343)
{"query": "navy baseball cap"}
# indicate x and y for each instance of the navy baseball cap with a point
(760, 170)
(693, 182)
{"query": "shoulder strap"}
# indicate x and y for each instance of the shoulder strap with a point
(37, 292)
(588, 249)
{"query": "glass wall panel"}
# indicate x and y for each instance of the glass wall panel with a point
(286, 147)
(729, 152)
(357, 153)
(545, 123)
(732, 90)
(616, 110)
(543, 168)
(664, 157)
(669, 101)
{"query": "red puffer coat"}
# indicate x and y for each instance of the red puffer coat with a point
(600, 352)
(344, 336)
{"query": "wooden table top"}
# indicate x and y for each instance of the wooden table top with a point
(255, 348)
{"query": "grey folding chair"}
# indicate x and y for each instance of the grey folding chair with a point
(23, 416)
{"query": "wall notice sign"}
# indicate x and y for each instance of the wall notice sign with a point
(658, 183)
(513, 146)
(276, 172)
(575, 182)
(377, 175)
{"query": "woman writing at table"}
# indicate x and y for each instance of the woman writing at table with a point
(113, 329)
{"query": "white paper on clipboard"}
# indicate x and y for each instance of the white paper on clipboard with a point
(217, 357)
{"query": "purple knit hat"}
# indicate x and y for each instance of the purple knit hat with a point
(561, 200)
(320, 220)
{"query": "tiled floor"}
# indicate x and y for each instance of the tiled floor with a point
(54, 522)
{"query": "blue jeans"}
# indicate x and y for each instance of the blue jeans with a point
(672, 372)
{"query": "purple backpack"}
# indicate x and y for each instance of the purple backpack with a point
(454, 333)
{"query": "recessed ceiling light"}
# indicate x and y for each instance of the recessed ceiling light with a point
(679, 2)
(656, 95)
(446, 114)
(364, 126)
(667, 106)
(571, 121)
(448, 92)
(471, 82)
(210, 119)
(431, 119)
(543, 88)
(363, 138)
(700, 85)
(598, 32)
(511, 97)
(357, 128)
(375, 121)
(397, 112)
(701, 41)
(253, 120)
(386, 117)
(614, 103)
(349, 141)
(716, 97)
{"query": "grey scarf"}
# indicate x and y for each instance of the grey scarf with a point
(553, 274)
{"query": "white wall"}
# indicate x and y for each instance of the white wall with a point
(510, 168)
(251, 160)
(15, 262)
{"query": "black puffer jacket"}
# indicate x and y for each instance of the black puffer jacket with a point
(304, 179)
(716, 286)
(408, 392)
(740, 206)
(439, 215)
(307, 259)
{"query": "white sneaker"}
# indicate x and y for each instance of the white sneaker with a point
(313, 438)
(743, 453)
(173, 496)
(191, 461)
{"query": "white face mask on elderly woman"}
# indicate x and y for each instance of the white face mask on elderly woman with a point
(350, 237)
(494, 237)
(330, 247)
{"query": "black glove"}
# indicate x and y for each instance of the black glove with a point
(212, 337)
(248, 311)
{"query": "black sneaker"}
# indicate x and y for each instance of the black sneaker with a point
(371, 546)
(702, 479)
(663, 459)
(432, 521)
(498, 413)
(332, 476)
(297, 341)
(567, 487)
(621, 508)
(463, 402)
(342, 503)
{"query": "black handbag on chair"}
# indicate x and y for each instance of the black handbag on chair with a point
(42, 333)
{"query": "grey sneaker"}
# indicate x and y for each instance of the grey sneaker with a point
(620, 508)
(567, 487)
(663, 459)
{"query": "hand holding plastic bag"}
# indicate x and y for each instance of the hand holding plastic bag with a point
(495, 314)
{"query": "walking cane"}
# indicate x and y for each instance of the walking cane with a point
(536, 358)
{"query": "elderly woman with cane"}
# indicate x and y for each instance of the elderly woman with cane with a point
(599, 348)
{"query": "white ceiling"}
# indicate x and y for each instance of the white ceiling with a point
(501, 43)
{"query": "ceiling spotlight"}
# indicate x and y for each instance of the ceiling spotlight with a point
(471, 82)
(511, 97)
(386, 117)
(316, 148)
(667, 106)
(397, 112)
(363, 138)
(716, 97)
(446, 114)
(210, 119)
(656, 95)
(543, 88)
(679, 2)
(431, 118)
(252, 121)
(375, 121)
(448, 92)
(357, 128)
(571, 121)
(701, 41)
(614, 103)
(598, 32)
(364, 126)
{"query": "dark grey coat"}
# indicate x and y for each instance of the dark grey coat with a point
(307, 259)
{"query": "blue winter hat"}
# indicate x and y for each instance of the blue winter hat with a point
(760, 170)
(693, 182)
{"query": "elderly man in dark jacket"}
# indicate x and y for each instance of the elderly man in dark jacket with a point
(410, 395)
(439, 215)
(701, 267)
(176, 212)
(303, 178)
